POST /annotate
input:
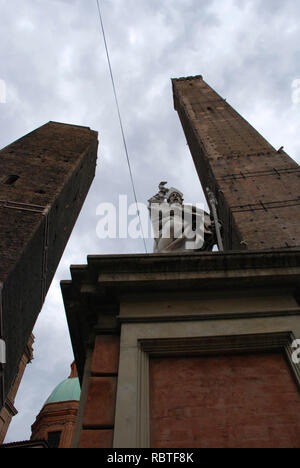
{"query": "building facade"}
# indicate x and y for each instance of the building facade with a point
(188, 350)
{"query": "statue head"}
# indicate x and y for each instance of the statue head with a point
(171, 195)
(174, 196)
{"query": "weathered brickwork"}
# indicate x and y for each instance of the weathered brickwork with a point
(257, 187)
(56, 417)
(99, 411)
(95, 439)
(44, 179)
(241, 401)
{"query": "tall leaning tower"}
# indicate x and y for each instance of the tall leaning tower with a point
(44, 179)
(257, 187)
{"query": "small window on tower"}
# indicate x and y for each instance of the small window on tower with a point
(54, 439)
(10, 180)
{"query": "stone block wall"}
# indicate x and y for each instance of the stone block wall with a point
(99, 410)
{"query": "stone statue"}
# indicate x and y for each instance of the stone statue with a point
(179, 227)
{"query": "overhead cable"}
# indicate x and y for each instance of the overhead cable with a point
(120, 120)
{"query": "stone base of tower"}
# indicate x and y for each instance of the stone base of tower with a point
(189, 350)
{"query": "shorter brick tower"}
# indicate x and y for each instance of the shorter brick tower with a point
(56, 421)
(44, 179)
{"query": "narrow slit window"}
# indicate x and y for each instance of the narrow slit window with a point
(10, 180)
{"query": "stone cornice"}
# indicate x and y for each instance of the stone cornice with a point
(183, 270)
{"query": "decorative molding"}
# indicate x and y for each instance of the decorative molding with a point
(112, 268)
(10, 407)
(143, 399)
(216, 344)
(207, 316)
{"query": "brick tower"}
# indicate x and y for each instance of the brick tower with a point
(44, 179)
(257, 188)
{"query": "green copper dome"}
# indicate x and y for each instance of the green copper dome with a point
(67, 390)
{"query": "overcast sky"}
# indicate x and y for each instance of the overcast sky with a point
(54, 66)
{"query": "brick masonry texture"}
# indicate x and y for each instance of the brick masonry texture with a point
(106, 354)
(100, 405)
(96, 439)
(240, 401)
(55, 166)
(257, 187)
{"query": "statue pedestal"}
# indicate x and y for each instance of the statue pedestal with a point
(186, 350)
